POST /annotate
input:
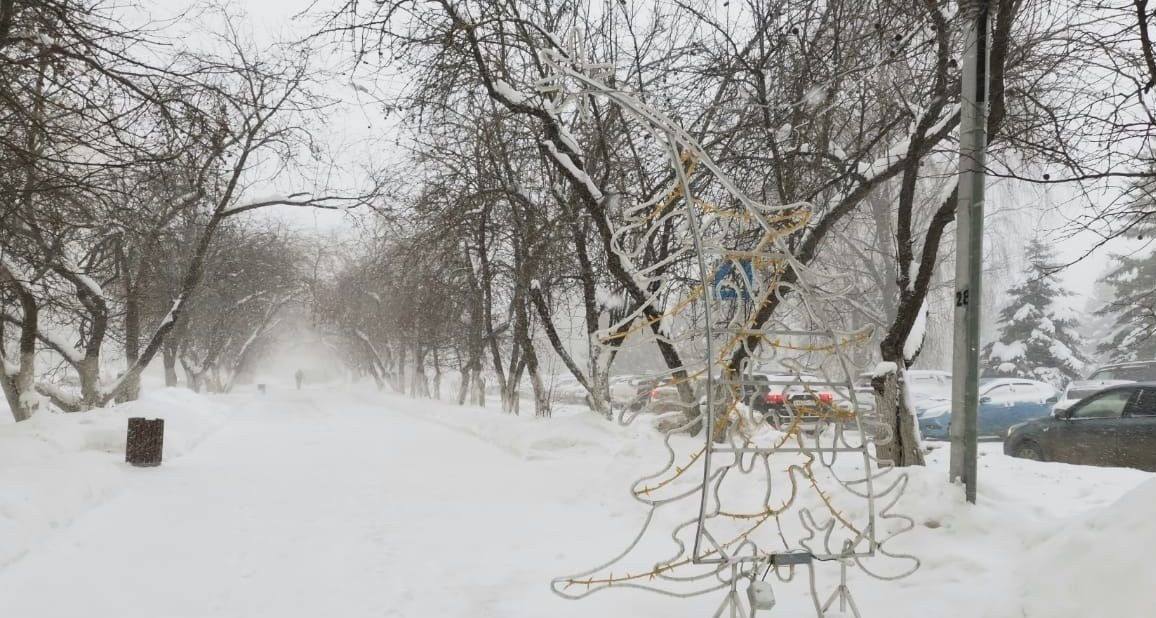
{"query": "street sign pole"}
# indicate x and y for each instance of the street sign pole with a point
(969, 246)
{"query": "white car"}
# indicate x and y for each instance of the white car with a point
(1108, 375)
(1003, 402)
(929, 388)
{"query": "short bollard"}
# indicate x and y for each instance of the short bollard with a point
(261, 388)
(146, 441)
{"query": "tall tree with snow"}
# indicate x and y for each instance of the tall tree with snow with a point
(1133, 309)
(1038, 336)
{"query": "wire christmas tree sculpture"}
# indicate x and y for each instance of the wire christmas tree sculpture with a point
(747, 503)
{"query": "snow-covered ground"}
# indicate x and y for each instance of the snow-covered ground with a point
(342, 502)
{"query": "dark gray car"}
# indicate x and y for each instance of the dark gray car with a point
(1115, 427)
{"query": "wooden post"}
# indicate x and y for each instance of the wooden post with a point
(146, 439)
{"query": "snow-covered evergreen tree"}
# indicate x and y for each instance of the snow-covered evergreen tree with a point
(1133, 308)
(1037, 336)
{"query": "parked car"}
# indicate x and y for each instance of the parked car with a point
(1108, 375)
(1003, 402)
(786, 396)
(1113, 427)
(660, 395)
(637, 392)
(929, 388)
(926, 384)
(625, 391)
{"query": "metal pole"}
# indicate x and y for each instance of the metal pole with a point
(969, 246)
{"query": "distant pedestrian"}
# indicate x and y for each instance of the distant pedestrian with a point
(300, 377)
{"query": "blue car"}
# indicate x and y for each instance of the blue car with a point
(1003, 402)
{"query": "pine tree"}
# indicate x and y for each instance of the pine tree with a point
(1133, 309)
(1037, 338)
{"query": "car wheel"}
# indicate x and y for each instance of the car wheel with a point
(1029, 450)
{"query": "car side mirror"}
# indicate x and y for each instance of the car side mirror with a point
(1060, 413)
(985, 399)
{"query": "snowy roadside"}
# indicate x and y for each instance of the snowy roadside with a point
(572, 430)
(54, 467)
(406, 507)
(1045, 540)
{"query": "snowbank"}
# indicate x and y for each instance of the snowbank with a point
(54, 467)
(572, 431)
(485, 508)
(1044, 540)
(1097, 565)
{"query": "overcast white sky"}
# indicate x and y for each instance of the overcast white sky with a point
(272, 20)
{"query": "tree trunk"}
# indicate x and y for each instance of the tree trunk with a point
(89, 372)
(464, 385)
(477, 339)
(541, 395)
(479, 384)
(601, 353)
(130, 391)
(511, 390)
(21, 402)
(600, 381)
(903, 449)
(419, 387)
(399, 376)
(596, 385)
(437, 378)
(19, 387)
(214, 380)
(192, 376)
(170, 360)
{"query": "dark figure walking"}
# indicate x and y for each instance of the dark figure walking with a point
(299, 376)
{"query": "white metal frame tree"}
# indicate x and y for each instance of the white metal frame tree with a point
(721, 543)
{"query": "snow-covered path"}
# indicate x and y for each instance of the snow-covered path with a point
(342, 503)
(320, 504)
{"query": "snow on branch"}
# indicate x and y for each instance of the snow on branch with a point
(69, 402)
(897, 153)
(68, 269)
(90, 284)
(109, 391)
(10, 369)
(914, 341)
(376, 357)
(171, 315)
(15, 273)
(71, 354)
(581, 176)
(884, 369)
(300, 199)
(507, 91)
(58, 345)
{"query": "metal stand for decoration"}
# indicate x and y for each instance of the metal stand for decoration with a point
(842, 594)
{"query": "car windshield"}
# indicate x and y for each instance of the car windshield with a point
(1131, 373)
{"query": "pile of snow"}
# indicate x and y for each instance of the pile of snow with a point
(1025, 549)
(1097, 565)
(572, 431)
(54, 467)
